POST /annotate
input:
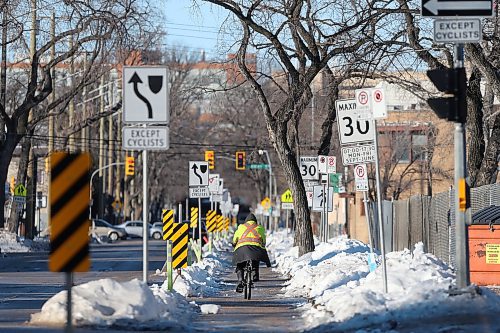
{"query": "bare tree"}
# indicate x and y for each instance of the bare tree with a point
(96, 28)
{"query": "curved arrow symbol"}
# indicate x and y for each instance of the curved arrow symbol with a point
(135, 79)
(195, 168)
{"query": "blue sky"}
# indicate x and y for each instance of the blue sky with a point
(194, 29)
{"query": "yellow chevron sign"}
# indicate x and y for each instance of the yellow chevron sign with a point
(69, 212)
(194, 217)
(211, 221)
(226, 223)
(179, 245)
(167, 217)
(220, 223)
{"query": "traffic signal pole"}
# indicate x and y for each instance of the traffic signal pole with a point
(462, 242)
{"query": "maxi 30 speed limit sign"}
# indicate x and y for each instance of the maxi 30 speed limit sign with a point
(354, 125)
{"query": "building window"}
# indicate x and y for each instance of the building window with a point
(419, 147)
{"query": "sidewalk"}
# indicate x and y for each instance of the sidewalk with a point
(267, 311)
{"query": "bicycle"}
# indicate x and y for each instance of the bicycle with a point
(247, 280)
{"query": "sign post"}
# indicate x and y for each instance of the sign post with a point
(145, 101)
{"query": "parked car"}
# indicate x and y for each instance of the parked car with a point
(102, 228)
(134, 229)
(158, 225)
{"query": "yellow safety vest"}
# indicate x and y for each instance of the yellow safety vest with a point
(249, 233)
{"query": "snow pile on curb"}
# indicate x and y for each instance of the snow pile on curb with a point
(199, 278)
(336, 278)
(209, 308)
(11, 243)
(107, 302)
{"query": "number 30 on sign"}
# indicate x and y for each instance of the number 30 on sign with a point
(309, 167)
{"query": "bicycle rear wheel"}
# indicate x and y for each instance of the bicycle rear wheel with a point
(248, 281)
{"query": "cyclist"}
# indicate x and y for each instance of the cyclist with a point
(249, 243)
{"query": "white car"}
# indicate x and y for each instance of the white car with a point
(134, 229)
(102, 228)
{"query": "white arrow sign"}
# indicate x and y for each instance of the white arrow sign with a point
(198, 173)
(458, 7)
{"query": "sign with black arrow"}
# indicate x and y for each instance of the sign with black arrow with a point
(198, 173)
(145, 95)
(441, 8)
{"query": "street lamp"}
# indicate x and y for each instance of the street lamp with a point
(270, 168)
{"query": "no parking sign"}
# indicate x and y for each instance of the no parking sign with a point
(361, 178)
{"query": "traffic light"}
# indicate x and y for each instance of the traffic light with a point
(130, 166)
(451, 81)
(240, 160)
(210, 158)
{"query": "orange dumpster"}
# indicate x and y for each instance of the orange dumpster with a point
(484, 247)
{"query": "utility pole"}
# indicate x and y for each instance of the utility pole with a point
(101, 188)
(71, 106)
(110, 138)
(83, 134)
(3, 70)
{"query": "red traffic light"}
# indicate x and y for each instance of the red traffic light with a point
(240, 160)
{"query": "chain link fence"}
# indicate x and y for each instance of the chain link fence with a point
(430, 220)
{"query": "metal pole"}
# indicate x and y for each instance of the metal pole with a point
(461, 237)
(286, 227)
(379, 206)
(325, 210)
(365, 202)
(145, 228)
(199, 226)
(69, 285)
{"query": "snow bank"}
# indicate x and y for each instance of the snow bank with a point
(10, 243)
(209, 308)
(336, 279)
(107, 302)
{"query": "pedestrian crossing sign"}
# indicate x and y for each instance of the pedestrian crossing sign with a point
(20, 190)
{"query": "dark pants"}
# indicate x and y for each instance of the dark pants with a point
(240, 267)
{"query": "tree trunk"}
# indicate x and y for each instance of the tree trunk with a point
(303, 234)
(13, 223)
(490, 160)
(6, 152)
(476, 145)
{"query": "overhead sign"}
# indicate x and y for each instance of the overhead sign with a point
(433, 8)
(213, 182)
(463, 30)
(286, 197)
(319, 199)
(198, 173)
(361, 178)
(358, 154)
(309, 167)
(331, 166)
(199, 192)
(145, 138)
(379, 104)
(353, 125)
(145, 95)
(20, 191)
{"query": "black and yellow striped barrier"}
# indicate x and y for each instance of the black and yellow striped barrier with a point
(220, 223)
(194, 217)
(211, 221)
(69, 212)
(180, 245)
(226, 224)
(167, 217)
(233, 223)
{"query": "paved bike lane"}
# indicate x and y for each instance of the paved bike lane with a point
(267, 311)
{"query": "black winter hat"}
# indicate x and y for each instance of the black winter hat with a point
(250, 217)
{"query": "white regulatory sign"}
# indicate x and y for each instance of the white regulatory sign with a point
(198, 174)
(145, 138)
(322, 163)
(318, 201)
(309, 167)
(199, 192)
(463, 30)
(213, 183)
(358, 154)
(379, 104)
(361, 178)
(353, 124)
(331, 166)
(145, 95)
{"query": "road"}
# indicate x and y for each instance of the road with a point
(26, 283)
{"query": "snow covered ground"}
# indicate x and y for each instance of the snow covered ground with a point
(133, 304)
(342, 291)
(10, 243)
